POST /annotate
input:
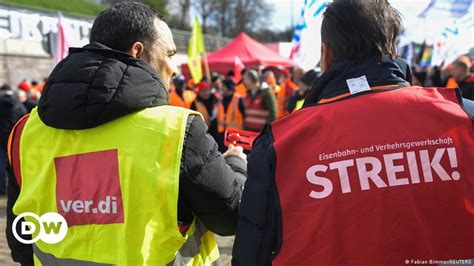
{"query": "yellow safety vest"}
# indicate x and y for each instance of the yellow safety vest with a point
(299, 104)
(133, 163)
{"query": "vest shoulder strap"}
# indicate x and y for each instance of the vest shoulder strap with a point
(13, 147)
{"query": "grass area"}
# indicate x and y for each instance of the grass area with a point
(78, 7)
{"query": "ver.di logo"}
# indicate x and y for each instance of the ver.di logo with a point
(51, 228)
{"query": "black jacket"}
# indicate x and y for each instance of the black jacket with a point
(258, 236)
(95, 85)
(10, 111)
(467, 87)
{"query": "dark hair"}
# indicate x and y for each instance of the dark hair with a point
(229, 84)
(461, 65)
(179, 83)
(122, 24)
(253, 75)
(309, 77)
(6, 87)
(356, 29)
(214, 76)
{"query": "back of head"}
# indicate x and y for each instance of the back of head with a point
(123, 24)
(459, 70)
(309, 77)
(179, 83)
(6, 87)
(356, 29)
(461, 65)
(253, 76)
(229, 84)
(20, 95)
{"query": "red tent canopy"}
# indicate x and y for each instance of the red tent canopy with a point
(250, 52)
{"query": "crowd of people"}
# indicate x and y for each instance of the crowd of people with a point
(261, 97)
(458, 74)
(14, 103)
(248, 103)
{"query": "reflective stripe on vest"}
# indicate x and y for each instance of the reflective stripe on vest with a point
(374, 178)
(233, 118)
(116, 185)
(42, 258)
(193, 252)
(255, 113)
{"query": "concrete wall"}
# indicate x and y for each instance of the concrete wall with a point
(15, 68)
(20, 59)
(27, 37)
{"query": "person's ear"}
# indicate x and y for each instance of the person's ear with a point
(137, 50)
(326, 58)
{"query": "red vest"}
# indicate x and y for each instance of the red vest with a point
(256, 115)
(385, 178)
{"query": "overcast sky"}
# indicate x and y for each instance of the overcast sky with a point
(283, 9)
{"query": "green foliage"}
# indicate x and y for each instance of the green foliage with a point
(158, 5)
(80, 7)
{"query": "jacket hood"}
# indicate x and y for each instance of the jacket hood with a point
(95, 85)
(7, 99)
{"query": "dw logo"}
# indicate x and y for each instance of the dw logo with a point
(51, 227)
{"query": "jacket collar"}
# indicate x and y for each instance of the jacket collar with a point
(333, 82)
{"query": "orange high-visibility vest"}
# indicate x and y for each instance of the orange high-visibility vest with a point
(201, 108)
(241, 89)
(283, 95)
(232, 117)
(188, 96)
(451, 84)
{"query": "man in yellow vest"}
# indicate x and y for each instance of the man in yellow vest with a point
(138, 182)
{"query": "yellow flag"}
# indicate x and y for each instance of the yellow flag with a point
(196, 47)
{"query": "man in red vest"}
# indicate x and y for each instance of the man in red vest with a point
(371, 171)
(260, 107)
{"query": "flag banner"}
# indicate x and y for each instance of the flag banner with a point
(447, 25)
(306, 40)
(62, 46)
(195, 49)
(238, 67)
